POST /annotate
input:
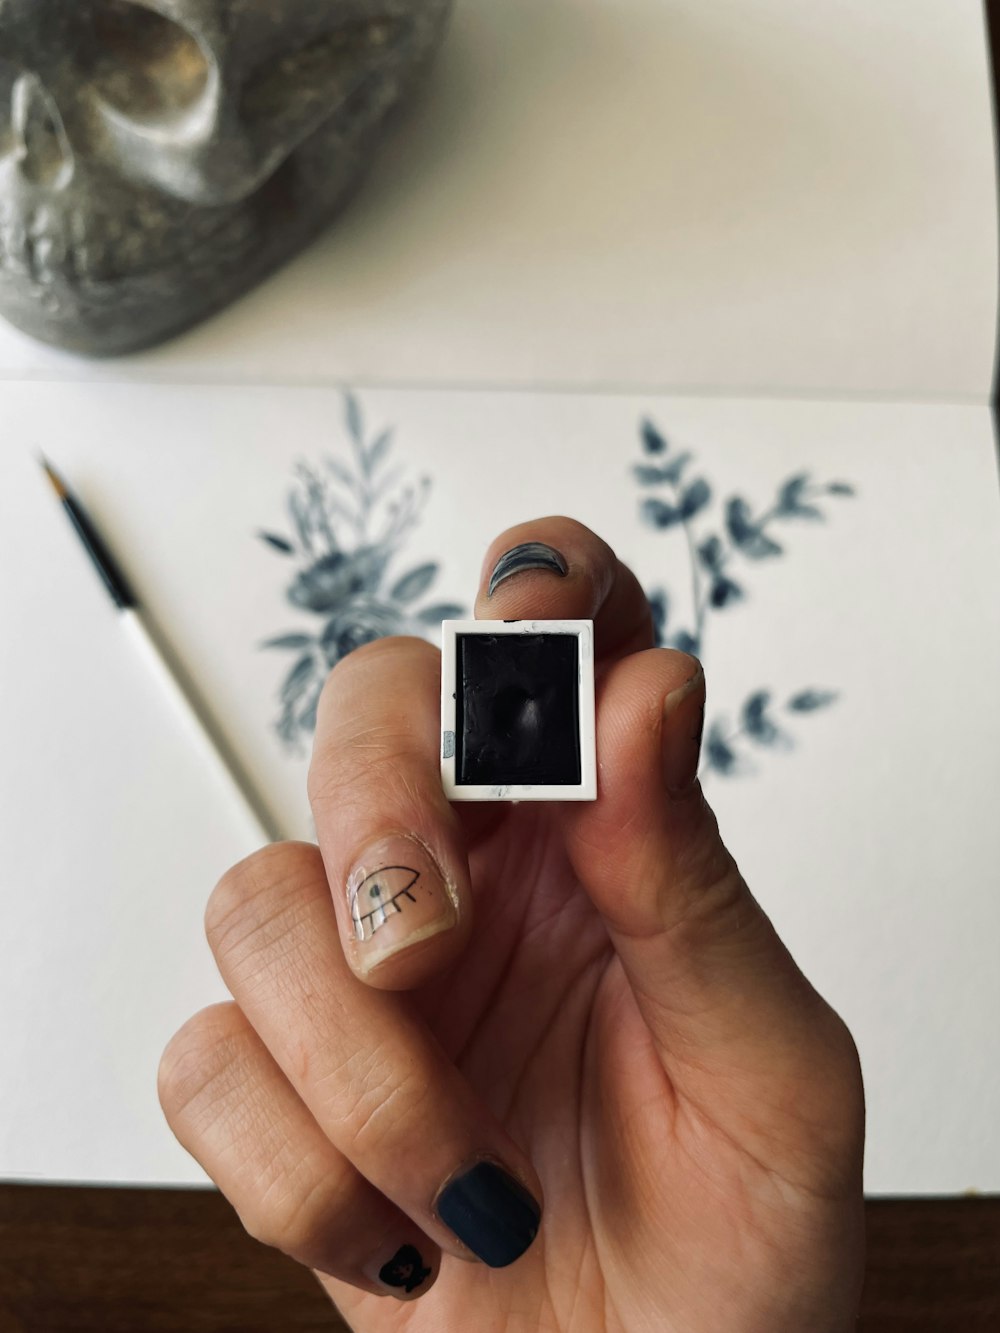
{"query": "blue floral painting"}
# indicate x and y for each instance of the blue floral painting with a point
(350, 518)
(724, 542)
(349, 521)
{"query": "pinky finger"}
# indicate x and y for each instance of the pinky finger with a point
(232, 1108)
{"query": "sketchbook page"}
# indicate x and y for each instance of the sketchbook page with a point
(846, 614)
(111, 834)
(758, 196)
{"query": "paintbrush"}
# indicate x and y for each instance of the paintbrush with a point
(161, 662)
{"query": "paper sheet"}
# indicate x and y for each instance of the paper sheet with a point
(870, 837)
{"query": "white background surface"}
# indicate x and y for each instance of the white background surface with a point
(750, 197)
(873, 844)
(761, 196)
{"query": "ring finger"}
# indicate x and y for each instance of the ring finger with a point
(375, 1081)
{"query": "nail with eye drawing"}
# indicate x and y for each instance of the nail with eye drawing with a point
(396, 897)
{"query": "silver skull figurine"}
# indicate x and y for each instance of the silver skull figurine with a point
(159, 157)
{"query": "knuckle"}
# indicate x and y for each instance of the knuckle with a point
(364, 662)
(257, 892)
(378, 760)
(335, 778)
(299, 1225)
(196, 1055)
(365, 729)
(383, 1106)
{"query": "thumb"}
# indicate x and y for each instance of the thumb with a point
(737, 1026)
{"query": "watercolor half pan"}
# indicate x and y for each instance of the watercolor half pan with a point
(517, 710)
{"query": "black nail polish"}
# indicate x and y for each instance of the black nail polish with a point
(529, 555)
(404, 1269)
(491, 1213)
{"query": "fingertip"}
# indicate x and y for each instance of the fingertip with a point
(407, 911)
(415, 962)
(408, 1272)
(645, 704)
(556, 568)
(649, 713)
(494, 1213)
(565, 538)
(547, 569)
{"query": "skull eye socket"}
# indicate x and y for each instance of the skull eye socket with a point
(146, 67)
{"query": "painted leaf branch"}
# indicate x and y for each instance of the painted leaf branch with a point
(720, 554)
(727, 746)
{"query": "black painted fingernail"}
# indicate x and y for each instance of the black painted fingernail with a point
(529, 555)
(491, 1213)
(405, 1273)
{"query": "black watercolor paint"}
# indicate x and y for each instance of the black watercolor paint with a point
(518, 712)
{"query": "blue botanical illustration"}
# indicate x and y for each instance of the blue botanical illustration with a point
(349, 521)
(722, 549)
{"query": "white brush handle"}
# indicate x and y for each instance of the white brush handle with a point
(215, 749)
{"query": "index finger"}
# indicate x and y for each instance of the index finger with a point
(558, 569)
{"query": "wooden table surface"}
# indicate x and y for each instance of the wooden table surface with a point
(76, 1260)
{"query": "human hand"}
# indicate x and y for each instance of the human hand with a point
(585, 997)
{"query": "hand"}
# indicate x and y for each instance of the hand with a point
(578, 1007)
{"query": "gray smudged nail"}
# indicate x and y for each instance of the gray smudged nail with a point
(529, 555)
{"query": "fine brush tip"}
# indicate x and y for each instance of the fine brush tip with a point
(58, 485)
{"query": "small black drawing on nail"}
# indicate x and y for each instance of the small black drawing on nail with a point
(379, 892)
(529, 555)
(404, 1269)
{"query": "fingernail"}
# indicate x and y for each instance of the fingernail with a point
(404, 1274)
(529, 555)
(396, 896)
(683, 723)
(491, 1213)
